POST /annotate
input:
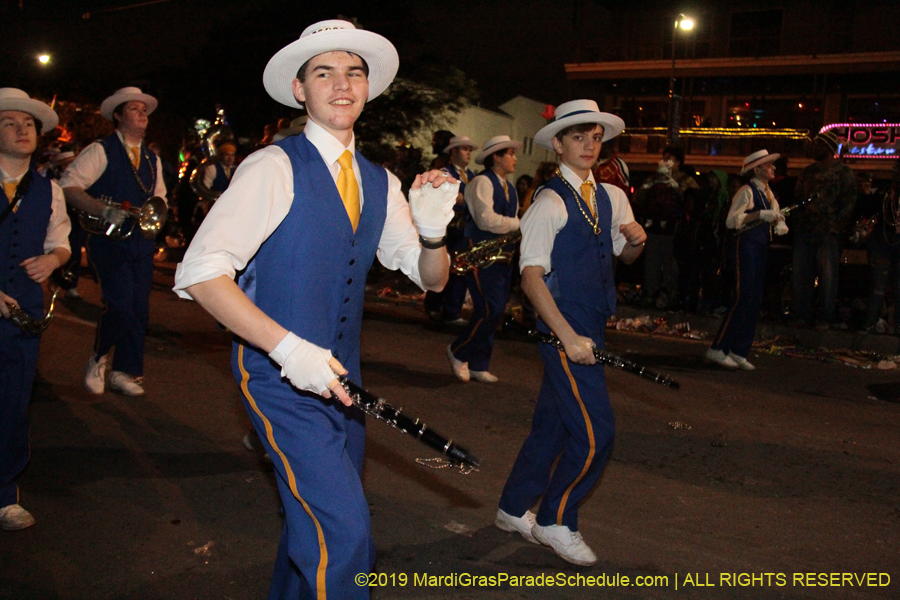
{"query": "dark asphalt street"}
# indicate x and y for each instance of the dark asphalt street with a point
(792, 470)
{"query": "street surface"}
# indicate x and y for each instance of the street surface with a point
(740, 485)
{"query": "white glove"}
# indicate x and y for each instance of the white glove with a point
(114, 215)
(432, 208)
(770, 216)
(304, 364)
(781, 228)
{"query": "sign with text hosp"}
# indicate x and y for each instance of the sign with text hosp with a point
(867, 140)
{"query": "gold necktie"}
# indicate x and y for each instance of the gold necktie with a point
(10, 188)
(462, 176)
(348, 188)
(587, 189)
(136, 157)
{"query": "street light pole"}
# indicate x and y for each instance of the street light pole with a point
(674, 120)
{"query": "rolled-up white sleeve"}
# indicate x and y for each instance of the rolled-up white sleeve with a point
(545, 218)
(479, 197)
(87, 168)
(399, 246)
(621, 215)
(59, 226)
(742, 201)
(245, 215)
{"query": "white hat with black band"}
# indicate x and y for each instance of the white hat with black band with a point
(331, 36)
(576, 112)
(126, 94)
(756, 159)
(496, 144)
(16, 99)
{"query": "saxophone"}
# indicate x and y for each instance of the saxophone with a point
(484, 254)
(26, 322)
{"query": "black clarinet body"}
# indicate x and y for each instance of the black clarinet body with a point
(379, 408)
(614, 360)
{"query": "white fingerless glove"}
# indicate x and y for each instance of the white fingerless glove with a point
(304, 364)
(769, 216)
(432, 208)
(114, 215)
(781, 228)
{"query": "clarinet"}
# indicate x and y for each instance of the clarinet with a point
(614, 360)
(379, 408)
(785, 211)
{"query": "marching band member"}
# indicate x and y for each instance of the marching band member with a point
(305, 217)
(752, 203)
(120, 167)
(217, 174)
(569, 236)
(492, 204)
(34, 240)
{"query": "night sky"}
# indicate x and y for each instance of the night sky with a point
(192, 54)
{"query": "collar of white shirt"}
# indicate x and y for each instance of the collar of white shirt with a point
(6, 177)
(328, 146)
(574, 180)
(126, 144)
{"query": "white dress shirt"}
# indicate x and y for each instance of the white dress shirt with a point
(59, 226)
(479, 197)
(258, 199)
(90, 164)
(743, 201)
(547, 216)
(209, 174)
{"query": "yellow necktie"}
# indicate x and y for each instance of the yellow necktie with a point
(10, 188)
(348, 188)
(136, 157)
(587, 189)
(462, 176)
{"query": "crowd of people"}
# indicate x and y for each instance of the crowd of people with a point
(307, 203)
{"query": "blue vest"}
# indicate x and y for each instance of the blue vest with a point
(454, 171)
(118, 182)
(761, 234)
(501, 206)
(310, 274)
(581, 261)
(220, 183)
(22, 236)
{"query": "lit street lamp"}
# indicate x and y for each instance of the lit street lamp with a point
(44, 59)
(674, 122)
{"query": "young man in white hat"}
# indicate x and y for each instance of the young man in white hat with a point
(492, 203)
(751, 204)
(122, 168)
(34, 240)
(569, 236)
(460, 152)
(303, 219)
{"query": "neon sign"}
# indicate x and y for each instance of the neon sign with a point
(867, 140)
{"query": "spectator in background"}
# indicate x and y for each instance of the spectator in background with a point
(883, 249)
(545, 172)
(170, 176)
(440, 139)
(818, 232)
(612, 169)
(523, 184)
(269, 131)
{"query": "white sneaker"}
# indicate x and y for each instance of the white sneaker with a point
(718, 356)
(125, 383)
(522, 525)
(741, 361)
(459, 368)
(484, 377)
(95, 375)
(567, 544)
(14, 518)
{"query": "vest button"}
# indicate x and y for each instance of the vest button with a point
(352, 261)
(353, 243)
(340, 337)
(346, 300)
(336, 355)
(602, 256)
(343, 319)
(349, 281)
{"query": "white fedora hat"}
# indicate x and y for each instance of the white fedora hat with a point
(576, 112)
(496, 144)
(756, 159)
(460, 141)
(330, 36)
(126, 94)
(16, 99)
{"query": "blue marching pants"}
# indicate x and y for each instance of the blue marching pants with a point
(317, 449)
(18, 367)
(739, 324)
(489, 288)
(573, 421)
(125, 273)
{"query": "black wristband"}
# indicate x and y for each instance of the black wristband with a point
(433, 245)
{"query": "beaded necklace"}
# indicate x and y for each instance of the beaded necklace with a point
(137, 177)
(594, 222)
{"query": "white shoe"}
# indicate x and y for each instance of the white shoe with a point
(14, 518)
(484, 377)
(459, 368)
(718, 356)
(522, 525)
(95, 375)
(568, 544)
(125, 383)
(741, 361)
